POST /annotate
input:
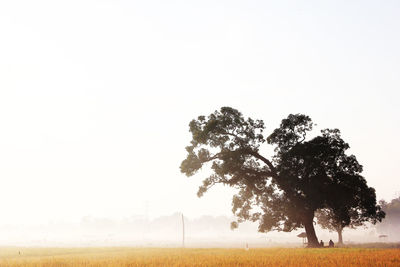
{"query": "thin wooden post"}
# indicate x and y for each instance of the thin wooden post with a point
(183, 232)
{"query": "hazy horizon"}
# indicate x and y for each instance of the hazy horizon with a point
(166, 231)
(96, 96)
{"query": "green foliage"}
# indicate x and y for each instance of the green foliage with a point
(302, 176)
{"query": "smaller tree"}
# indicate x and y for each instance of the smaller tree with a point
(350, 211)
(332, 221)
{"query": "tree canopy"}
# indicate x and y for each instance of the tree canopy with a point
(350, 207)
(283, 192)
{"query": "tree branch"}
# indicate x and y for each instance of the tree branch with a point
(266, 161)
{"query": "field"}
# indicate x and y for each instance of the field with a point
(198, 257)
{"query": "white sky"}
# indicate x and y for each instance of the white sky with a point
(96, 96)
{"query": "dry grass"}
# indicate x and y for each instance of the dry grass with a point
(50, 257)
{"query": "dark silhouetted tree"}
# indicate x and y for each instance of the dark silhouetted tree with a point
(281, 193)
(350, 203)
(344, 217)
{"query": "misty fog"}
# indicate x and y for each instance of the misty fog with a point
(96, 97)
(202, 231)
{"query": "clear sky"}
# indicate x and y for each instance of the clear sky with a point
(96, 96)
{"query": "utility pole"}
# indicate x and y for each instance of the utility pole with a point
(183, 232)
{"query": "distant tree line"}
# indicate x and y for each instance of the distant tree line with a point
(391, 225)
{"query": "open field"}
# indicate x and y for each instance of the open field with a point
(198, 257)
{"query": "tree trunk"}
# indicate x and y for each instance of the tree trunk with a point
(310, 231)
(340, 231)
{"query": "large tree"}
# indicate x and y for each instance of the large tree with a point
(281, 193)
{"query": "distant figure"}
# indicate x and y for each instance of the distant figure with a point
(246, 247)
(383, 238)
(321, 243)
(331, 244)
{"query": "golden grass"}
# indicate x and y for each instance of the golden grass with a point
(52, 257)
